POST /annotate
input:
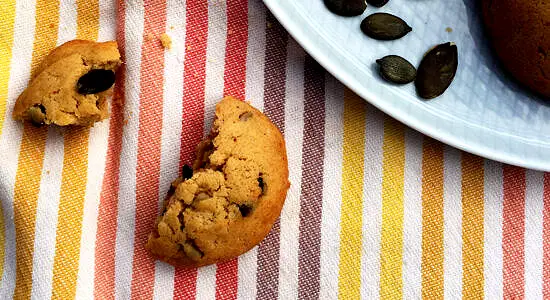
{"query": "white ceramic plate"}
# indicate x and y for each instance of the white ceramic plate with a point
(483, 112)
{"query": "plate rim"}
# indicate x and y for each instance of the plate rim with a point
(445, 137)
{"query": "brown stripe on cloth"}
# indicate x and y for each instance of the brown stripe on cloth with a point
(311, 198)
(274, 108)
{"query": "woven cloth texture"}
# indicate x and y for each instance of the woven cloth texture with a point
(375, 210)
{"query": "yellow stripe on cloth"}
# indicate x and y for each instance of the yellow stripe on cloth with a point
(73, 182)
(391, 248)
(70, 214)
(432, 220)
(7, 11)
(349, 281)
(31, 157)
(472, 226)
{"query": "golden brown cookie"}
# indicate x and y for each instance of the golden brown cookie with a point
(520, 33)
(71, 85)
(233, 197)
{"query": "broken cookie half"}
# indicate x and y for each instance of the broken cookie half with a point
(71, 85)
(228, 201)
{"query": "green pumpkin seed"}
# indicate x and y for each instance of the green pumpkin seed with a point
(396, 69)
(385, 27)
(377, 3)
(437, 71)
(346, 8)
(192, 251)
(95, 81)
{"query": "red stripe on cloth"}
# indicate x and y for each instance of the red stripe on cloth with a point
(274, 108)
(546, 239)
(227, 274)
(311, 197)
(104, 276)
(227, 279)
(513, 236)
(149, 147)
(236, 48)
(185, 280)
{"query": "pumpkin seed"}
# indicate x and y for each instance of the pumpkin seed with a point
(396, 69)
(377, 3)
(37, 114)
(192, 251)
(95, 81)
(384, 26)
(346, 8)
(437, 71)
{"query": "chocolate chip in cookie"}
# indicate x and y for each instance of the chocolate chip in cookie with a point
(186, 172)
(37, 114)
(245, 209)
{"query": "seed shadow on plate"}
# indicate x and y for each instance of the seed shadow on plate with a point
(488, 57)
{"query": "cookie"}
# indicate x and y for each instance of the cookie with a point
(227, 203)
(520, 35)
(71, 85)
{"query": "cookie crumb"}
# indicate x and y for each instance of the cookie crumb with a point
(166, 41)
(48, 172)
(149, 37)
(449, 29)
(269, 24)
(188, 48)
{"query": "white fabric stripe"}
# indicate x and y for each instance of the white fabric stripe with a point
(254, 92)
(294, 127)
(97, 155)
(493, 230)
(46, 216)
(107, 20)
(215, 60)
(332, 183)
(173, 95)
(10, 141)
(164, 281)
(248, 264)
(255, 58)
(372, 204)
(412, 221)
(171, 126)
(67, 21)
(127, 189)
(206, 283)
(534, 207)
(452, 224)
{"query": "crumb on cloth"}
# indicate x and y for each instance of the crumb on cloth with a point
(166, 41)
(149, 37)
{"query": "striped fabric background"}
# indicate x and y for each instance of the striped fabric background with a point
(375, 210)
